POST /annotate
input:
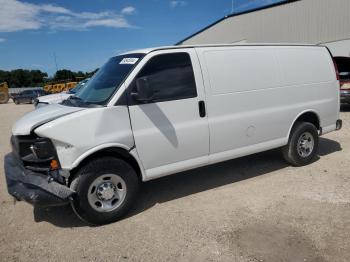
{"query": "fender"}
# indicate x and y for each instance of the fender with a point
(299, 115)
(132, 151)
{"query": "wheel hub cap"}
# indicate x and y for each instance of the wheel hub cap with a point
(305, 144)
(106, 191)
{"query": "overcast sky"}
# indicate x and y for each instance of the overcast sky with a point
(85, 33)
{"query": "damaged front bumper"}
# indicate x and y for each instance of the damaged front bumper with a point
(34, 188)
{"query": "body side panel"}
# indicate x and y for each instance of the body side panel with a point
(253, 99)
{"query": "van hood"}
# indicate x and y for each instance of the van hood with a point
(40, 116)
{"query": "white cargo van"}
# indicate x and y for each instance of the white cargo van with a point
(155, 112)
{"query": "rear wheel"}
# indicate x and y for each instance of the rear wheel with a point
(16, 101)
(303, 144)
(105, 190)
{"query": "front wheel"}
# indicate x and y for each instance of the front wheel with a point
(105, 190)
(303, 144)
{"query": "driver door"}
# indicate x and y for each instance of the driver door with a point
(170, 131)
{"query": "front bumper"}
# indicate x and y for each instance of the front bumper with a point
(34, 188)
(345, 96)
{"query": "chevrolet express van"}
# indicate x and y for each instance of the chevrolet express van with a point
(155, 112)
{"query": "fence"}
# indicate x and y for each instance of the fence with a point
(20, 89)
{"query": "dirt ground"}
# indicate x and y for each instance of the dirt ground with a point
(255, 208)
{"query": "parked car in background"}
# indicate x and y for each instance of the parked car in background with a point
(59, 97)
(343, 64)
(28, 96)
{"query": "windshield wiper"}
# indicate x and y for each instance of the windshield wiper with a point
(78, 102)
(75, 98)
(73, 101)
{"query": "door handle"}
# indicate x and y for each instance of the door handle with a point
(201, 106)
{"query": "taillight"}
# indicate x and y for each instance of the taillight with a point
(336, 69)
(345, 85)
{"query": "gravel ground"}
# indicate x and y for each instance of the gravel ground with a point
(255, 208)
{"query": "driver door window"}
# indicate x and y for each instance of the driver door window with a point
(170, 76)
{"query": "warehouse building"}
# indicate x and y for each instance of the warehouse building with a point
(297, 21)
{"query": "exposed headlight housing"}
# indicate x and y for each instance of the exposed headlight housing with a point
(43, 149)
(37, 153)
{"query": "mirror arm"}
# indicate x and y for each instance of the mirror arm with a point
(135, 96)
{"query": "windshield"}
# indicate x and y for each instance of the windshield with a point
(78, 86)
(106, 81)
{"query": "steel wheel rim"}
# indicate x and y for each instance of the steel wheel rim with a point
(107, 192)
(306, 144)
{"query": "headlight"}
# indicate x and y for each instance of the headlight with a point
(43, 149)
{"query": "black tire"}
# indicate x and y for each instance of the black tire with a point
(16, 101)
(290, 151)
(85, 178)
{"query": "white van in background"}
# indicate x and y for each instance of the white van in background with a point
(154, 112)
(59, 97)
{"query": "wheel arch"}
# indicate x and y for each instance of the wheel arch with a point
(111, 151)
(309, 116)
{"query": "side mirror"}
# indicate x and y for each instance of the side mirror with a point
(144, 92)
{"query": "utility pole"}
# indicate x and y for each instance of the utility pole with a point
(232, 7)
(54, 56)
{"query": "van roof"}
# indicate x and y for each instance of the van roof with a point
(152, 49)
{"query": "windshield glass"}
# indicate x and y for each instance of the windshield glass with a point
(106, 81)
(78, 86)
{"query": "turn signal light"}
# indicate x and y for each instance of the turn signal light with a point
(54, 164)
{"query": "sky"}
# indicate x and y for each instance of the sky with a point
(83, 34)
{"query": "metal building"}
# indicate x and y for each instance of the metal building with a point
(295, 21)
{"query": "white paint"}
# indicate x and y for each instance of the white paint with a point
(253, 95)
(40, 116)
(266, 87)
(164, 131)
(88, 131)
(339, 48)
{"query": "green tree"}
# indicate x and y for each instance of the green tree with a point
(64, 75)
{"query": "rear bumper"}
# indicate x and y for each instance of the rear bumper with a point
(34, 188)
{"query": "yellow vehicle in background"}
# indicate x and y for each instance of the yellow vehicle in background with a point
(70, 85)
(47, 88)
(59, 87)
(4, 93)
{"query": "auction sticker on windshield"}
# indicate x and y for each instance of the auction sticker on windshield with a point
(129, 61)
